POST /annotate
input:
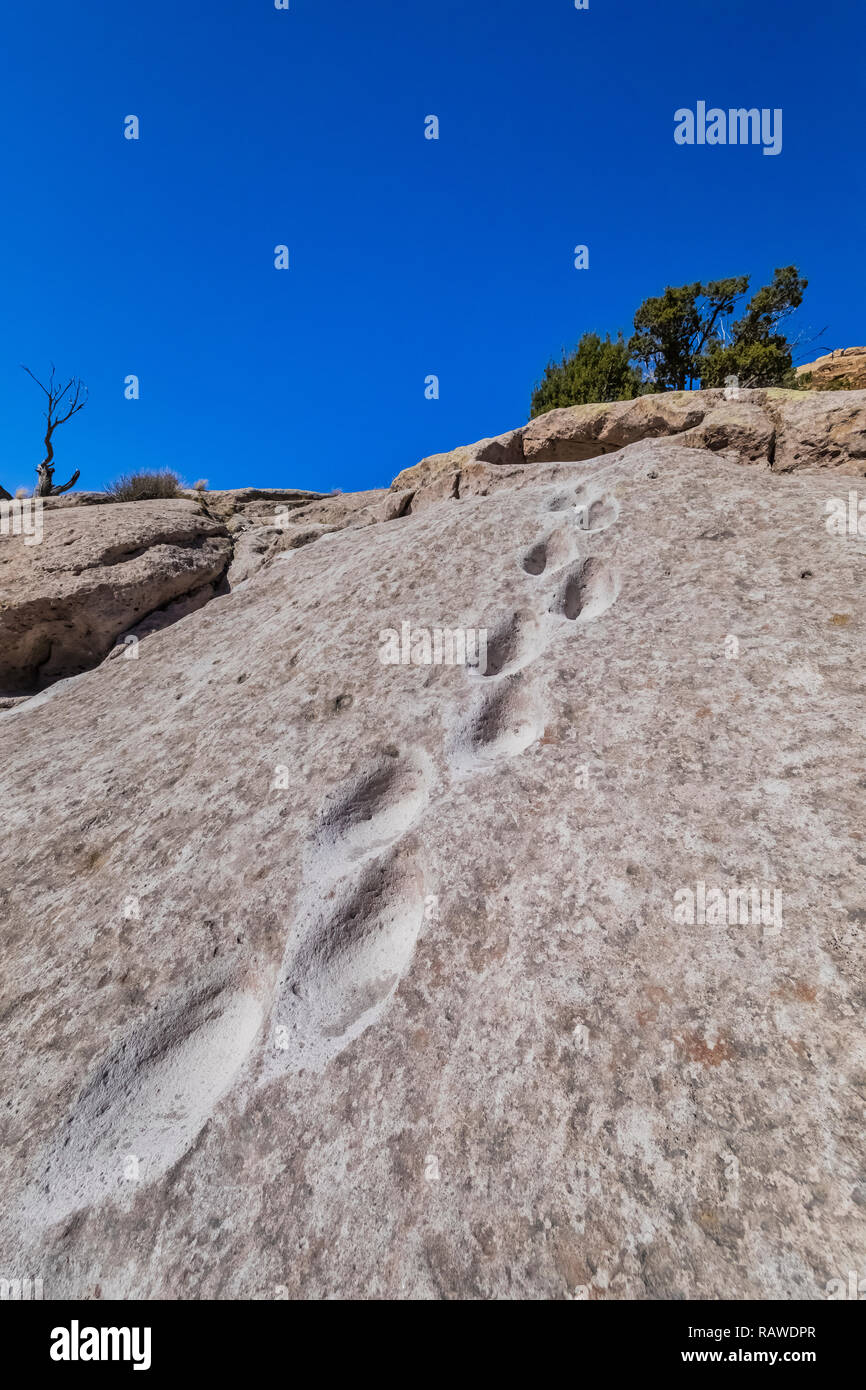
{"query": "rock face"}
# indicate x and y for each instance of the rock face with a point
(326, 976)
(106, 570)
(845, 367)
(97, 572)
(776, 429)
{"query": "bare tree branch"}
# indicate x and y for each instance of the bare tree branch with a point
(57, 397)
(36, 379)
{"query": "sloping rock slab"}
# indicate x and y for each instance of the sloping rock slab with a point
(327, 977)
(96, 573)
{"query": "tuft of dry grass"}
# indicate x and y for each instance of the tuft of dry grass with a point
(142, 487)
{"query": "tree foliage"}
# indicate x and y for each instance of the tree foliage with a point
(672, 330)
(754, 351)
(597, 370)
(683, 338)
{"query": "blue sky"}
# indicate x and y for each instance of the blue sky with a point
(409, 257)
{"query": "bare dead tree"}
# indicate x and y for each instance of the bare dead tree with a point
(69, 398)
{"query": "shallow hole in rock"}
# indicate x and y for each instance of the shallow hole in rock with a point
(586, 591)
(535, 559)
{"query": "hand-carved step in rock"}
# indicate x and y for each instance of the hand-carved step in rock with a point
(512, 643)
(350, 960)
(377, 807)
(594, 509)
(586, 590)
(596, 513)
(535, 559)
(148, 1101)
(558, 548)
(507, 721)
(563, 502)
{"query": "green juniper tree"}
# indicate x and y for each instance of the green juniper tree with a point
(686, 335)
(673, 329)
(597, 370)
(753, 351)
(683, 338)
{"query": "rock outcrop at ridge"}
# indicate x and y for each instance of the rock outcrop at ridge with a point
(845, 367)
(326, 977)
(781, 430)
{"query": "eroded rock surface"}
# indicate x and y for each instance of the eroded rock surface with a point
(844, 366)
(337, 978)
(781, 430)
(98, 570)
(107, 570)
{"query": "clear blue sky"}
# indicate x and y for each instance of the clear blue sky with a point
(408, 256)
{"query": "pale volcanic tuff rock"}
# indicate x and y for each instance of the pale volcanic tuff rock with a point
(282, 508)
(249, 527)
(98, 570)
(845, 366)
(264, 526)
(107, 570)
(772, 428)
(344, 979)
(222, 502)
